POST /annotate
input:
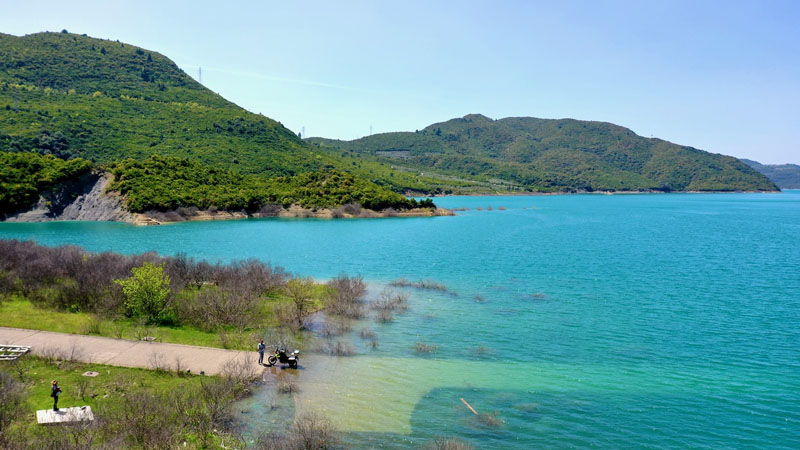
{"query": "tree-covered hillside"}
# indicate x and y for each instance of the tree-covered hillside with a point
(555, 155)
(152, 184)
(105, 101)
(786, 176)
(24, 175)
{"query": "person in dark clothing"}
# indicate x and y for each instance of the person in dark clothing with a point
(261, 349)
(56, 391)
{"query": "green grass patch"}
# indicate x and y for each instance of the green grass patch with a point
(104, 389)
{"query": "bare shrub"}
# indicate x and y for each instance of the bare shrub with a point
(367, 333)
(241, 370)
(20, 367)
(157, 362)
(390, 212)
(346, 296)
(338, 348)
(483, 351)
(215, 307)
(384, 316)
(309, 431)
(149, 420)
(179, 366)
(391, 300)
(490, 419)
(314, 431)
(11, 395)
(269, 210)
(335, 326)
(426, 284)
(447, 443)
(82, 385)
(527, 407)
(352, 209)
(50, 353)
(422, 348)
(74, 354)
(337, 213)
(218, 396)
(250, 276)
(287, 387)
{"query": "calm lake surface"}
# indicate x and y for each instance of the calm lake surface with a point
(661, 321)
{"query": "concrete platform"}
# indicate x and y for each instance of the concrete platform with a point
(64, 415)
(12, 352)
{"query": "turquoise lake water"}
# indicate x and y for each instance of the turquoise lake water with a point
(658, 321)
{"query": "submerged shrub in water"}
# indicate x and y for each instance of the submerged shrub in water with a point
(423, 348)
(447, 443)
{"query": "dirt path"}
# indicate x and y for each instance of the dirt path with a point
(119, 352)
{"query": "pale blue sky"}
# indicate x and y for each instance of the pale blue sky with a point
(722, 76)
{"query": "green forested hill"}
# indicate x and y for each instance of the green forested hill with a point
(73, 96)
(786, 176)
(555, 155)
(76, 96)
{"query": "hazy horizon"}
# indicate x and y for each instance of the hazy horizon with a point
(721, 77)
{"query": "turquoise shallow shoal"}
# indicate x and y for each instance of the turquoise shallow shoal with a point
(662, 321)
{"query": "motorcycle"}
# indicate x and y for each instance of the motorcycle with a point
(284, 358)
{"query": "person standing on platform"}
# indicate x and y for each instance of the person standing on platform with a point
(55, 392)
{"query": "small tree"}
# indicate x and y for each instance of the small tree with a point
(300, 291)
(146, 291)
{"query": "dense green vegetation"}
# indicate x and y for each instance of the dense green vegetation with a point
(24, 175)
(786, 176)
(554, 155)
(176, 299)
(106, 101)
(165, 183)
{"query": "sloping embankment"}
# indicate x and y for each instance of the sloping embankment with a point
(81, 199)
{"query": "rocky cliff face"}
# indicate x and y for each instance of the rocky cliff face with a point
(81, 199)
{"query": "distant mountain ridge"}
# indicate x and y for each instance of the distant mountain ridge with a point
(105, 101)
(786, 176)
(548, 155)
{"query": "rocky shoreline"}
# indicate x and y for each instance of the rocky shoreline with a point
(87, 199)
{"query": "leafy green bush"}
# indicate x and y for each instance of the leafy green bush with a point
(146, 293)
